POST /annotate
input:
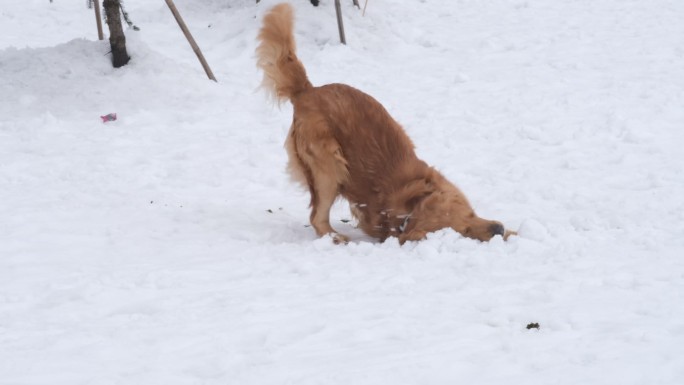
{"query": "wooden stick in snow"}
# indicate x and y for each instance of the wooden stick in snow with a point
(188, 36)
(364, 9)
(340, 25)
(98, 18)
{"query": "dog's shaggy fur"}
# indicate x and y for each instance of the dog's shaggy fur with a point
(343, 142)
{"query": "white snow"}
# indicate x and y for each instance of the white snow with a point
(169, 247)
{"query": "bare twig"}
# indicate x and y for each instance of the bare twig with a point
(340, 24)
(98, 19)
(191, 40)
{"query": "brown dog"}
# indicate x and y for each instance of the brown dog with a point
(343, 142)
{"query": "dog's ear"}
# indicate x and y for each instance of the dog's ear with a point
(422, 220)
(411, 194)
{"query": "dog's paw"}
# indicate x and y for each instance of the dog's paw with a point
(339, 239)
(413, 235)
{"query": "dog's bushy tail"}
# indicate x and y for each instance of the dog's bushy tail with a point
(284, 74)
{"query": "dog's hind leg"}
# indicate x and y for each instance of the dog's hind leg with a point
(316, 160)
(326, 172)
(326, 191)
(329, 171)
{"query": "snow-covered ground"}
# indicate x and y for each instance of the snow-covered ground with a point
(169, 247)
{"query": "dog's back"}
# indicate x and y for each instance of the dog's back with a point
(373, 144)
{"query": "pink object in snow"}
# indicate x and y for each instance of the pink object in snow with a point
(108, 117)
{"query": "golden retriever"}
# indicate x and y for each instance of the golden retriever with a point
(342, 142)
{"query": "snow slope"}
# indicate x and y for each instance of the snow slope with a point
(169, 247)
